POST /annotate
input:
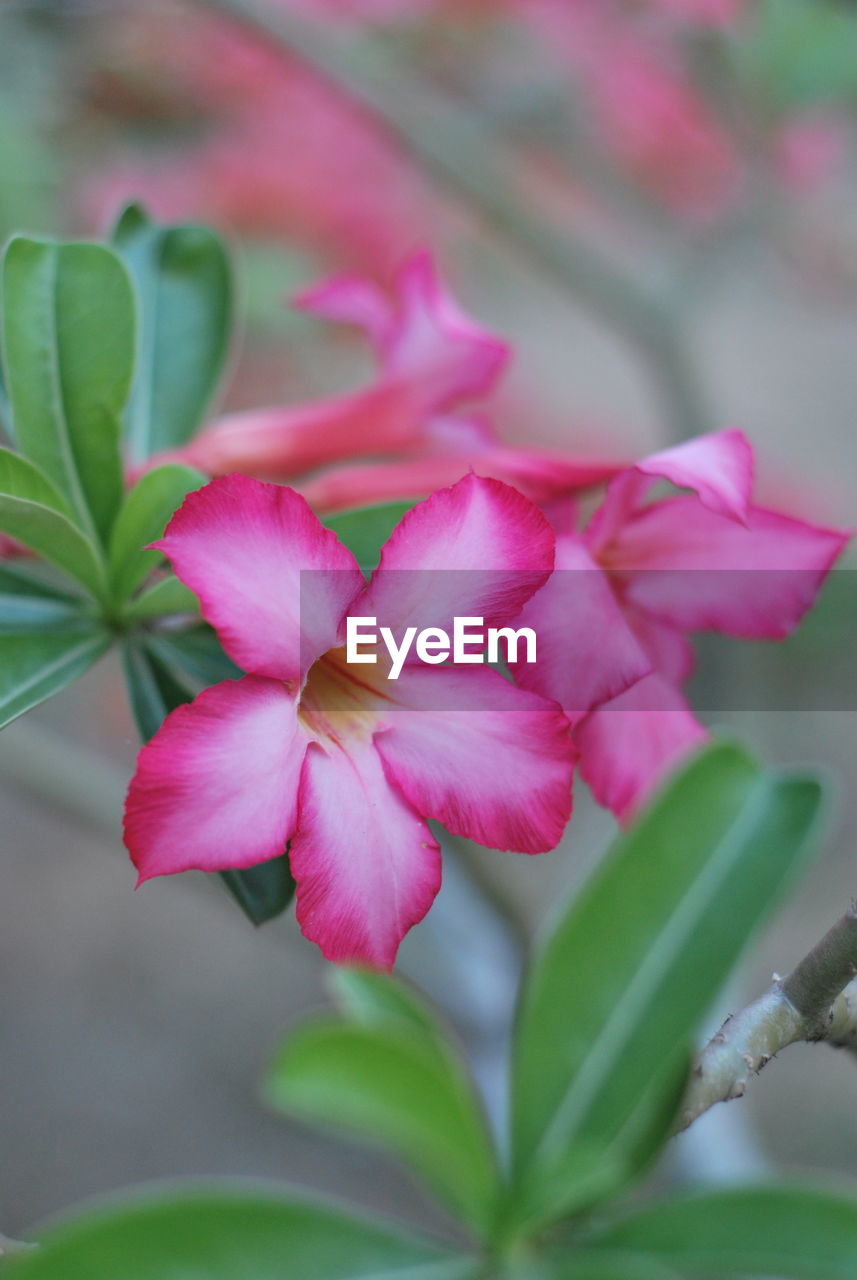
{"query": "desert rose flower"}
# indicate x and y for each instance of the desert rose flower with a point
(432, 359)
(334, 759)
(415, 419)
(644, 574)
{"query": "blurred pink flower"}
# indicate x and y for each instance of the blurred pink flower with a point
(808, 150)
(641, 576)
(414, 420)
(706, 13)
(644, 107)
(286, 156)
(655, 121)
(343, 765)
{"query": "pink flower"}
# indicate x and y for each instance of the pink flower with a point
(432, 359)
(704, 13)
(414, 419)
(645, 574)
(808, 150)
(278, 153)
(338, 762)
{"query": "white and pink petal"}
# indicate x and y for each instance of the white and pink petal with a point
(217, 785)
(271, 580)
(491, 761)
(366, 865)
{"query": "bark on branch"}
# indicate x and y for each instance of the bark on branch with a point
(817, 1001)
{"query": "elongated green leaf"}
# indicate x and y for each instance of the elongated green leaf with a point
(167, 596)
(5, 407)
(68, 352)
(195, 656)
(34, 665)
(377, 999)
(156, 686)
(20, 478)
(32, 510)
(142, 519)
(28, 601)
(184, 282)
(364, 530)
(385, 1083)
(585, 1264)
(620, 987)
(792, 1233)
(250, 1233)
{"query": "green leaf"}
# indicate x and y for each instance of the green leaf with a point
(184, 282)
(32, 511)
(385, 1083)
(141, 520)
(27, 601)
(68, 351)
(167, 595)
(618, 991)
(156, 686)
(364, 530)
(153, 690)
(262, 892)
(585, 1264)
(196, 656)
(792, 1233)
(34, 665)
(374, 999)
(5, 407)
(249, 1233)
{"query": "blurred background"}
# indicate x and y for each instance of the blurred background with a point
(698, 161)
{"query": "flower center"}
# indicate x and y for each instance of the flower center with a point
(337, 702)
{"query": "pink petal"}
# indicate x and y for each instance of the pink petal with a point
(478, 549)
(718, 467)
(351, 299)
(586, 653)
(244, 547)
(434, 340)
(287, 440)
(670, 652)
(217, 785)
(697, 571)
(629, 746)
(366, 865)
(492, 762)
(539, 475)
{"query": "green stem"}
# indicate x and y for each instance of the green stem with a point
(464, 151)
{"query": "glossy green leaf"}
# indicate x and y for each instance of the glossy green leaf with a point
(364, 530)
(141, 520)
(184, 283)
(386, 1084)
(787, 1232)
(241, 1233)
(68, 352)
(33, 511)
(156, 686)
(621, 985)
(34, 665)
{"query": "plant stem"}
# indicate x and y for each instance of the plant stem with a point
(463, 150)
(817, 1001)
